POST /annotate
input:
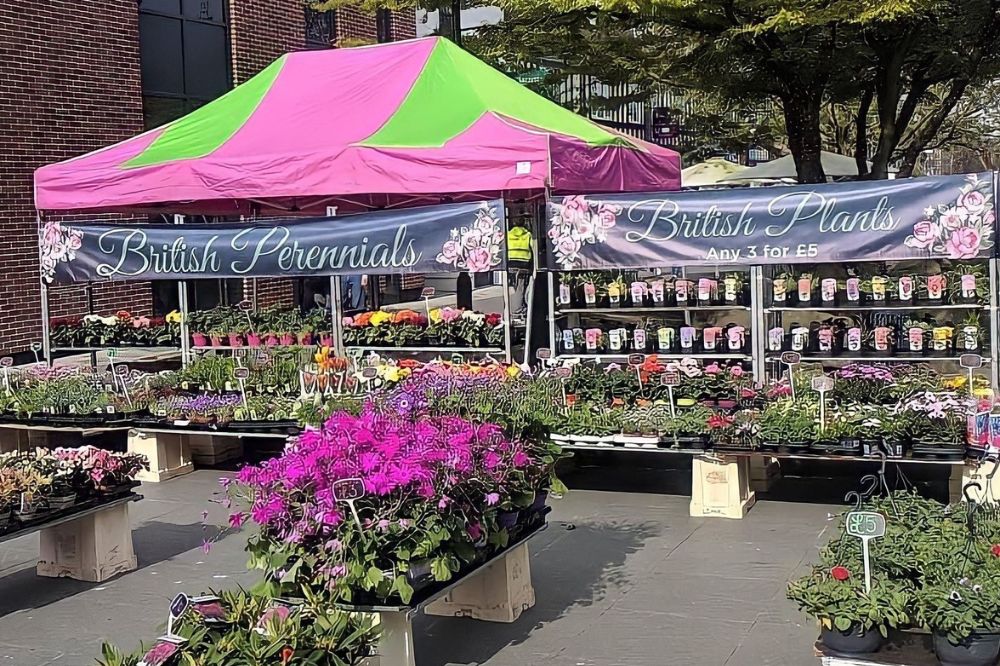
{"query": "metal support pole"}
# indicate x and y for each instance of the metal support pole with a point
(182, 304)
(43, 297)
(507, 321)
(757, 323)
(528, 317)
(337, 315)
(994, 326)
(553, 342)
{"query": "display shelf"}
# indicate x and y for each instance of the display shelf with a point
(658, 355)
(454, 350)
(875, 308)
(775, 357)
(203, 348)
(123, 348)
(181, 430)
(574, 446)
(70, 515)
(644, 310)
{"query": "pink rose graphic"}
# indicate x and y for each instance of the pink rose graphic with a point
(75, 241)
(973, 201)
(964, 243)
(449, 250)
(989, 218)
(953, 218)
(471, 239)
(568, 246)
(925, 233)
(478, 260)
(607, 215)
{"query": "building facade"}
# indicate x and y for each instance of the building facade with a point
(77, 76)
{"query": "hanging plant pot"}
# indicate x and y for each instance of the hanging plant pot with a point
(216, 340)
(287, 339)
(856, 640)
(235, 340)
(976, 650)
(253, 340)
(199, 340)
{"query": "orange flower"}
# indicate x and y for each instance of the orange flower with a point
(410, 363)
(641, 402)
(363, 319)
(406, 317)
(617, 402)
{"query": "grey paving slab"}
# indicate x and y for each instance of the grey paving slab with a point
(621, 579)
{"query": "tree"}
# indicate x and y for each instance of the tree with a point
(895, 70)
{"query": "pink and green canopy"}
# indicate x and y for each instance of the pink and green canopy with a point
(395, 124)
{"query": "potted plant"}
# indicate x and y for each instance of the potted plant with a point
(852, 621)
(688, 429)
(963, 616)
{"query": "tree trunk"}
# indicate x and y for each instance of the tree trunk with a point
(926, 133)
(802, 124)
(861, 132)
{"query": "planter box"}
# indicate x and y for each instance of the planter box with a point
(721, 487)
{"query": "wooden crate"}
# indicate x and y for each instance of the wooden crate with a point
(93, 548)
(499, 594)
(169, 454)
(720, 487)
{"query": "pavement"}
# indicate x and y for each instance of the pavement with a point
(621, 578)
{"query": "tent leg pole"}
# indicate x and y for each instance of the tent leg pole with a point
(182, 304)
(43, 299)
(508, 322)
(337, 315)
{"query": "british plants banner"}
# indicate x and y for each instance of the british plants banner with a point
(947, 217)
(434, 239)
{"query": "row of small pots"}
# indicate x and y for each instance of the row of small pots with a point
(261, 339)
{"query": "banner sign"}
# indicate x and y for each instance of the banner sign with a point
(949, 217)
(434, 239)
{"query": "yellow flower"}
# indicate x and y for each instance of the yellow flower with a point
(391, 374)
(983, 393)
(405, 372)
(173, 317)
(380, 318)
(954, 382)
(513, 370)
(435, 316)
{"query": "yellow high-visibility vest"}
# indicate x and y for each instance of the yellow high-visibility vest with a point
(519, 244)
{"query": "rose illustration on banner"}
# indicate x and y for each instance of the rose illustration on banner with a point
(577, 222)
(477, 248)
(961, 230)
(57, 244)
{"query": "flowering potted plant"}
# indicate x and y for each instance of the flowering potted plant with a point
(787, 426)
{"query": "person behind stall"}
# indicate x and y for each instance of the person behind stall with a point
(520, 265)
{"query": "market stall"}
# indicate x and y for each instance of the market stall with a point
(808, 285)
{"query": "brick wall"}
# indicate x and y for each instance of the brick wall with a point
(69, 83)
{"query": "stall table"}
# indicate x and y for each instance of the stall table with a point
(905, 649)
(172, 451)
(24, 437)
(92, 544)
(498, 590)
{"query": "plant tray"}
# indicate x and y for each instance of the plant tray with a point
(283, 426)
(938, 452)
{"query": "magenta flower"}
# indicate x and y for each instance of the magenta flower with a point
(492, 499)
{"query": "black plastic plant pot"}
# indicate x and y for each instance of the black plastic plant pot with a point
(870, 446)
(938, 450)
(770, 446)
(976, 650)
(795, 446)
(694, 441)
(825, 446)
(538, 504)
(508, 519)
(850, 445)
(856, 640)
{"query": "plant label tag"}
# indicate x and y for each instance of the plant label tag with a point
(822, 384)
(245, 306)
(636, 359)
(427, 292)
(369, 373)
(670, 378)
(791, 358)
(241, 373)
(544, 353)
(865, 525)
(7, 361)
(178, 607)
(971, 361)
(562, 373)
(348, 490)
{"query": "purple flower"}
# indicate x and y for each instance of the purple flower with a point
(492, 499)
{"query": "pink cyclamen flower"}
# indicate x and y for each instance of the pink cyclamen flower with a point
(736, 371)
(964, 243)
(925, 233)
(237, 519)
(712, 369)
(492, 499)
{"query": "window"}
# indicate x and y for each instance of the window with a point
(184, 54)
(320, 28)
(383, 25)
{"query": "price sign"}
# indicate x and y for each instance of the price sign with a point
(241, 373)
(563, 373)
(543, 354)
(369, 373)
(7, 361)
(111, 352)
(121, 369)
(865, 525)
(636, 359)
(263, 358)
(36, 346)
(178, 607)
(350, 490)
(245, 305)
(971, 362)
(791, 358)
(427, 292)
(670, 378)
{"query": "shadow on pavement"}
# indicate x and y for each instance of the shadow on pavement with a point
(153, 542)
(571, 566)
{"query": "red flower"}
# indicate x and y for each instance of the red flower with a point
(719, 421)
(747, 392)
(493, 319)
(840, 573)
(995, 550)
(570, 400)
(286, 655)
(123, 314)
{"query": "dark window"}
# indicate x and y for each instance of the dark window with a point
(383, 25)
(184, 49)
(320, 28)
